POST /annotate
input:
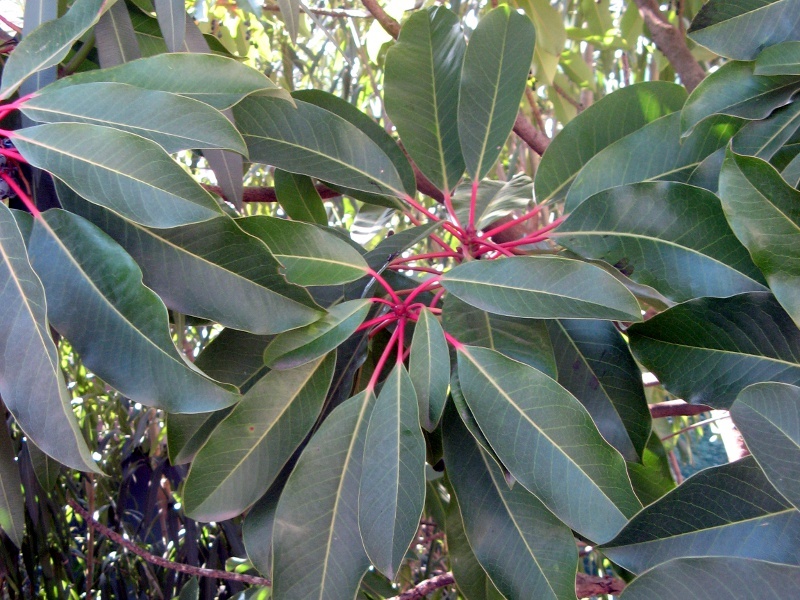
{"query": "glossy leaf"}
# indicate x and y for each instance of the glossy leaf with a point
(609, 119)
(527, 552)
(124, 172)
(740, 30)
(548, 441)
(542, 287)
(595, 366)
(708, 350)
(423, 71)
(493, 78)
(212, 270)
(750, 519)
(210, 78)
(172, 22)
(46, 45)
(780, 59)
(310, 255)
(764, 212)
(652, 477)
(299, 198)
(115, 38)
(12, 503)
(669, 236)
(637, 158)
(394, 245)
(429, 368)
(310, 140)
(31, 382)
(495, 199)
(85, 272)
(766, 137)
(247, 450)
(768, 415)
(299, 346)
(392, 492)
(317, 548)
(735, 90)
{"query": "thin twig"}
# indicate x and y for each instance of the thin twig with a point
(324, 12)
(676, 408)
(389, 24)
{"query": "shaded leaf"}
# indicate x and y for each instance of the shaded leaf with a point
(493, 78)
(542, 287)
(652, 477)
(394, 245)
(495, 199)
(750, 519)
(548, 441)
(258, 526)
(780, 59)
(290, 11)
(764, 138)
(299, 198)
(172, 22)
(115, 38)
(228, 168)
(429, 368)
(12, 503)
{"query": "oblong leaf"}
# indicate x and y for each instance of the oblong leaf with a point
(764, 212)
(750, 519)
(298, 198)
(768, 415)
(429, 368)
(392, 492)
(542, 287)
(609, 119)
(708, 350)
(174, 122)
(548, 441)
(766, 137)
(670, 236)
(85, 273)
(124, 172)
(423, 71)
(31, 382)
(247, 450)
(115, 38)
(310, 255)
(493, 78)
(12, 503)
(780, 59)
(172, 22)
(310, 140)
(317, 548)
(526, 551)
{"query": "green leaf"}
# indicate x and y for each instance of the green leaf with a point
(172, 22)
(595, 366)
(493, 78)
(115, 38)
(780, 59)
(542, 287)
(124, 172)
(212, 270)
(637, 158)
(766, 137)
(257, 528)
(210, 78)
(296, 347)
(190, 590)
(715, 576)
(734, 89)
(317, 548)
(525, 340)
(174, 122)
(791, 172)
(429, 368)
(247, 450)
(764, 212)
(31, 382)
(548, 441)
(652, 477)
(12, 502)
(394, 245)
(740, 30)
(669, 236)
(310, 255)
(84, 273)
(310, 140)
(707, 350)
(730, 510)
(290, 12)
(525, 549)
(46, 45)
(299, 198)
(392, 492)
(767, 415)
(423, 71)
(609, 119)
(495, 199)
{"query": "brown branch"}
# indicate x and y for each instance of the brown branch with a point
(676, 408)
(267, 194)
(324, 12)
(426, 587)
(163, 562)
(389, 24)
(672, 44)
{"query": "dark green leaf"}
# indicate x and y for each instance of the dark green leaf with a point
(707, 350)
(172, 22)
(780, 59)
(766, 137)
(730, 510)
(392, 492)
(768, 416)
(669, 236)
(12, 503)
(493, 78)
(651, 478)
(764, 212)
(393, 245)
(258, 526)
(247, 450)
(429, 368)
(190, 590)
(115, 38)
(85, 273)
(423, 71)
(317, 548)
(495, 199)
(542, 287)
(299, 198)
(548, 441)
